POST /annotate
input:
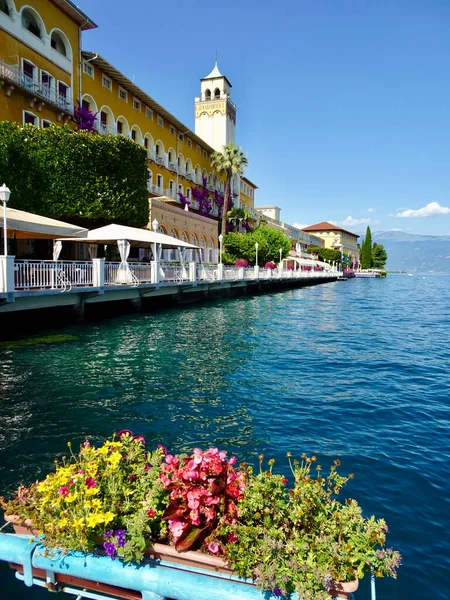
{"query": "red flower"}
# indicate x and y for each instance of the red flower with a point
(90, 482)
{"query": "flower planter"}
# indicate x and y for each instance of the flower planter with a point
(196, 562)
(21, 527)
(344, 590)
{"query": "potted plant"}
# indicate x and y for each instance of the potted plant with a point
(288, 539)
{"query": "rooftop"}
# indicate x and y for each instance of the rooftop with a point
(216, 74)
(76, 14)
(325, 226)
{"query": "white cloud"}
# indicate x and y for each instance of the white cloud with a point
(395, 229)
(351, 222)
(430, 210)
(300, 225)
(370, 210)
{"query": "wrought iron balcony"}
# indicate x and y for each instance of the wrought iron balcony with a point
(40, 92)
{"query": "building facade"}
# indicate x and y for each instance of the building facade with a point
(336, 238)
(44, 72)
(40, 60)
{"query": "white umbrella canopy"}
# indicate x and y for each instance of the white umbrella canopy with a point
(139, 238)
(25, 225)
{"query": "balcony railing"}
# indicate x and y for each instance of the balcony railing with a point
(42, 91)
(159, 160)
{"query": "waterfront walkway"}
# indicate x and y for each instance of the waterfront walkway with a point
(32, 285)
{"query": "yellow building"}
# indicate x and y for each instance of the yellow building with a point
(40, 60)
(44, 72)
(336, 238)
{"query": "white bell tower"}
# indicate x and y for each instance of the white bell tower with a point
(215, 114)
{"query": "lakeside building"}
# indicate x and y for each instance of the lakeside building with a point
(336, 238)
(299, 238)
(44, 72)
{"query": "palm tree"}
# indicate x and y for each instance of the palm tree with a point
(230, 162)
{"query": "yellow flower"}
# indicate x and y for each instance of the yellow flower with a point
(96, 503)
(62, 522)
(108, 517)
(114, 459)
(94, 520)
(103, 450)
(71, 497)
(78, 523)
(91, 491)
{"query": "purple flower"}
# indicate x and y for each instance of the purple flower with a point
(124, 432)
(277, 592)
(110, 549)
(108, 534)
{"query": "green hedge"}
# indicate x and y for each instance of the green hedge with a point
(77, 176)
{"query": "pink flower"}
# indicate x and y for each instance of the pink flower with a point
(215, 548)
(64, 491)
(193, 499)
(232, 538)
(139, 438)
(151, 513)
(195, 517)
(90, 482)
(176, 528)
(232, 460)
(163, 448)
(86, 444)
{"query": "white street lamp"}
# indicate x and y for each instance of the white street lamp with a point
(220, 248)
(5, 193)
(281, 255)
(155, 226)
(256, 248)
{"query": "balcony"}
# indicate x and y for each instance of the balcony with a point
(172, 167)
(40, 92)
(159, 160)
(104, 128)
(190, 176)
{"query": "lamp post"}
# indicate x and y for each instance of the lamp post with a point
(5, 193)
(220, 248)
(256, 248)
(281, 255)
(155, 226)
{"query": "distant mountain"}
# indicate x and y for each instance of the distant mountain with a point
(415, 253)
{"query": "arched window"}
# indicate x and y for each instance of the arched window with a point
(122, 127)
(208, 94)
(159, 149)
(211, 251)
(148, 144)
(185, 237)
(162, 229)
(31, 22)
(136, 135)
(175, 233)
(198, 174)
(159, 182)
(57, 43)
(4, 7)
(172, 188)
(217, 93)
(195, 239)
(107, 119)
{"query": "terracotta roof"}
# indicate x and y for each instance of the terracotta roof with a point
(325, 226)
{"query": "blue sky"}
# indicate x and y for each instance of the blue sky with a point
(343, 105)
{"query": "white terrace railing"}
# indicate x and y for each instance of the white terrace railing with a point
(66, 275)
(48, 274)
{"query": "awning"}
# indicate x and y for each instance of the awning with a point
(21, 224)
(308, 262)
(139, 238)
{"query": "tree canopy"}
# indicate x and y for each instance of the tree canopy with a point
(82, 177)
(238, 245)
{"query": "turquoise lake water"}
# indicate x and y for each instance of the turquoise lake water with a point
(358, 370)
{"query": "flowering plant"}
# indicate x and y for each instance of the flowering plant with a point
(299, 538)
(241, 262)
(99, 490)
(203, 488)
(290, 267)
(303, 539)
(270, 265)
